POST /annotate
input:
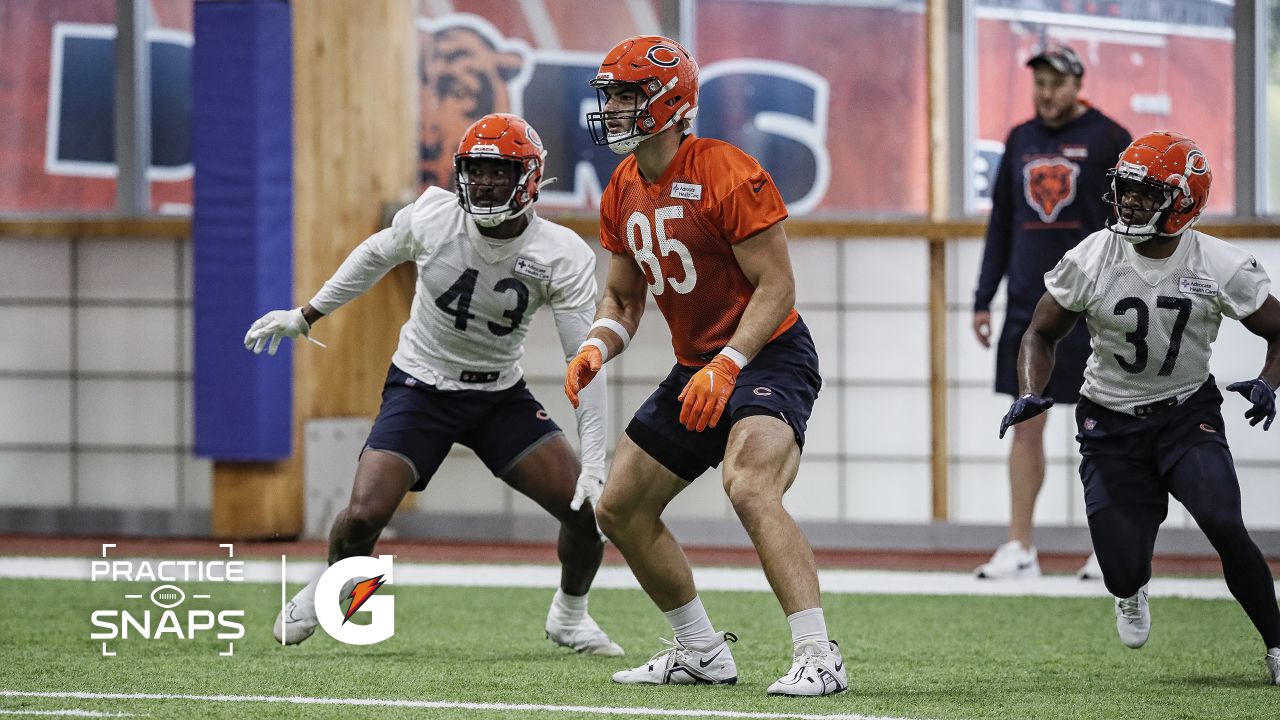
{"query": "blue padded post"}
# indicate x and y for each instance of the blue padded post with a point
(243, 225)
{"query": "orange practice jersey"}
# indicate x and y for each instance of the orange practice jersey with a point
(681, 231)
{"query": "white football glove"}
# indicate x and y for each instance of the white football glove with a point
(590, 485)
(268, 330)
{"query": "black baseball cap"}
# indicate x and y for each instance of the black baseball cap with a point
(1060, 58)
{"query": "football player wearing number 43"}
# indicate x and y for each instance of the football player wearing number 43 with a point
(1153, 292)
(697, 223)
(486, 262)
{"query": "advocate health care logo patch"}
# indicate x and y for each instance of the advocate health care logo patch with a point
(154, 606)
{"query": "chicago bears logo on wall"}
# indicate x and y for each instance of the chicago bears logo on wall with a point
(1050, 185)
(773, 110)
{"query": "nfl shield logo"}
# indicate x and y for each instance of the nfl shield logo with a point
(1090, 423)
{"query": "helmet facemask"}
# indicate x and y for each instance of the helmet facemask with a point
(1140, 205)
(493, 188)
(637, 115)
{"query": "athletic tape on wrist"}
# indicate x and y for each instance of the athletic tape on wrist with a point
(735, 356)
(614, 326)
(598, 344)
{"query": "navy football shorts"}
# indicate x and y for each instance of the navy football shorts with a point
(781, 381)
(419, 423)
(1126, 459)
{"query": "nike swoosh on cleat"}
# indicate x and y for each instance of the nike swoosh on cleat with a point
(839, 666)
(704, 663)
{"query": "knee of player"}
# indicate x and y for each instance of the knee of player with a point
(607, 517)
(1123, 589)
(1226, 525)
(748, 494)
(581, 522)
(364, 517)
(1125, 581)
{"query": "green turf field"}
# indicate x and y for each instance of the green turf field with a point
(907, 657)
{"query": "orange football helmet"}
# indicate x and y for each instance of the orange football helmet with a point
(501, 136)
(665, 78)
(1171, 170)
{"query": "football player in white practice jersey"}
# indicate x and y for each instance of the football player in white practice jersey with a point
(486, 262)
(1153, 292)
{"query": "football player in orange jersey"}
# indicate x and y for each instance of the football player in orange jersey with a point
(698, 224)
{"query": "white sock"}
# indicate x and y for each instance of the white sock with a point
(809, 626)
(691, 624)
(568, 609)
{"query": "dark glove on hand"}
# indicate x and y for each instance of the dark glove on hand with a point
(1024, 408)
(1258, 392)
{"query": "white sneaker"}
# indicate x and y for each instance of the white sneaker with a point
(681, 665)
(1091, 569)
(815, 671)
(585, 637)
(1273, 664)
(1010, 561)
(298, 618)
(1133, 619)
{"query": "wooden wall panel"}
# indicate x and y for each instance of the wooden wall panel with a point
(355, 146)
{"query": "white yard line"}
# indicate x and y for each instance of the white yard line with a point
(69, 713)
(447, 705)
(868, 582)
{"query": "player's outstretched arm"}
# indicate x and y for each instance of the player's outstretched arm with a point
(592, 407)
(617, 318)
(1050, 323)
(367, 264)
(1260, 392)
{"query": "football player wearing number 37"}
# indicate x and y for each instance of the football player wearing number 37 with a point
(1153, 292)
(697, 223)
(486, 262)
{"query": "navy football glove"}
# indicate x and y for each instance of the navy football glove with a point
(1258, 392)
(1024, 408)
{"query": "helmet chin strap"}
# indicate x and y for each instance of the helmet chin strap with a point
(1135, 239)
(628, 142)
(625, 143)
(491, 220)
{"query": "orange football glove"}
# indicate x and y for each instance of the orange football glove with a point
(581, 371)
(707, 393)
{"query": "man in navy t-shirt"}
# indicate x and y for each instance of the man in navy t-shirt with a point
(1047, 198)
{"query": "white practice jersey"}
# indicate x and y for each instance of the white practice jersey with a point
(1152, 321)
(475, 297)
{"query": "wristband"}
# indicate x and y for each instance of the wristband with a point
(738, 358)
(615, 327)
(598, 344)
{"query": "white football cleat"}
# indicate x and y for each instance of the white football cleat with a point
(815, 671)
(1273, 664)
(681, 665)
(298, 618)
(1011, 561)
(585, 637)
(1091, 570)
(1133, 619)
